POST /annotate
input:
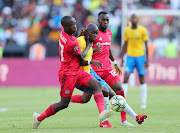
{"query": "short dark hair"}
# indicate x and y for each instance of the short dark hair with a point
(65, 19)
(102, 13)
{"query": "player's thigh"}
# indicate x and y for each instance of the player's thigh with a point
(140, 61)
(87, 80)
(110, 77)
(68, 82)
(92, 72)
(130, 64)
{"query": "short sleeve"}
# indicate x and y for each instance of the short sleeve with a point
(145, 36)
(74, 48)
(125, 35)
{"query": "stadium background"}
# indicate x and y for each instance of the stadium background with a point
(29, 32)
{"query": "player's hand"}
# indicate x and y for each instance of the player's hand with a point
(97, 64)
(97, 48)
(117, 69)
(122, 63)
(146, 65)
(82, 32)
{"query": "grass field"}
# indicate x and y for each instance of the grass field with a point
(163, 112)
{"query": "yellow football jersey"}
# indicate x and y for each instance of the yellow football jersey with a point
(135, 38)
(82, 42)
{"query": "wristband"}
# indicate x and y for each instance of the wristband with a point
(89, 62)
(114, 62)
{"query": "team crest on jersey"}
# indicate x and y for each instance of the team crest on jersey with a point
(67, 91)
(110, 38)
(137, 33)
(76, 48)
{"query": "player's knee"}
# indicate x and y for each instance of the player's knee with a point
(126, 78)
(105, 91)
(117, 86)
(97, 86)
(141, 78)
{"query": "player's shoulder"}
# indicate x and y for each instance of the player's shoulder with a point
(81, 40)
(141, 27)
(127, 28)
(68, 37)
(109, 31)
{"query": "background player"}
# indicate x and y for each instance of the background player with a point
(134, 36)
(105, 55)
(71, 75)
(91, 31)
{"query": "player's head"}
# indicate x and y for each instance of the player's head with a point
(91, 31)
(103, 20)
(69, 24)
(134, 19)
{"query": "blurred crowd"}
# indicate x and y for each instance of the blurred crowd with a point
(30, 28)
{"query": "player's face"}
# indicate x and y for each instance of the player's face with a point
(72, 26)
(93, 35)
(103, 20)
(134, 20)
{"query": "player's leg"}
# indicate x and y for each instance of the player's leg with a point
(125, 83)
(94, 84)
(105, 89)
(129, 67)
(140, 61)
(113, 80)
(67, 87)
(84, 98)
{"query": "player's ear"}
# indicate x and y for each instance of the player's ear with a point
(98, 20)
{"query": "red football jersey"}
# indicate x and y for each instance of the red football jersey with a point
(68, 49)
(103, 39)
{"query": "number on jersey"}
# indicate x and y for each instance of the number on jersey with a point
(62, 48)
(113, 73)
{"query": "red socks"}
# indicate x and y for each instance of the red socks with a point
(76, 99)
(99, 98)
(123, 113)
(48, 112)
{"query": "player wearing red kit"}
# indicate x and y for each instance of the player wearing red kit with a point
(106, 72)
(71, 75)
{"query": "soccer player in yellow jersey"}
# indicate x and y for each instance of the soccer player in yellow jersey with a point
(134, 37)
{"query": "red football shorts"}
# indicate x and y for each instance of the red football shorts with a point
(68, 82)
(110, 76)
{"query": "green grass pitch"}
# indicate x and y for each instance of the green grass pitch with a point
(163, 112)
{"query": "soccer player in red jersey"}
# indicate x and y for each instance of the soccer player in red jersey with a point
(71, 75)
(104, 56)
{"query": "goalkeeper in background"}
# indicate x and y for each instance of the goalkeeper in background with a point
(137, 57)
